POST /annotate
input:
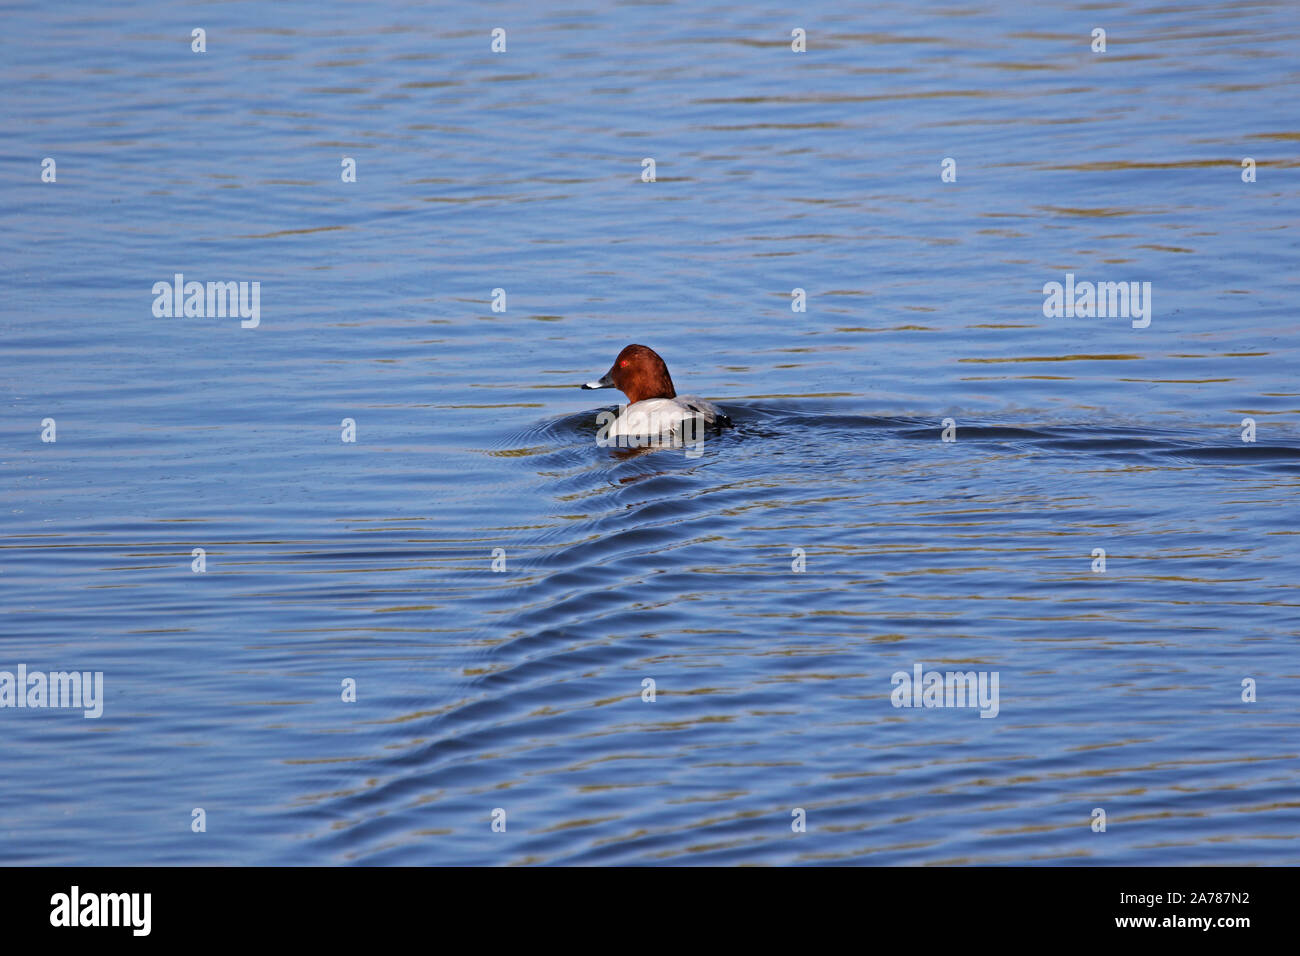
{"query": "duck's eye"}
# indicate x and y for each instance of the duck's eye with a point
(623, 364)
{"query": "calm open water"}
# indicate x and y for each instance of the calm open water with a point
(521, 689)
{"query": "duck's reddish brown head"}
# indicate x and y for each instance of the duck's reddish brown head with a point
(639, 373)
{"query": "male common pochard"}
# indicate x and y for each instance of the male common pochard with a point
(656, 408)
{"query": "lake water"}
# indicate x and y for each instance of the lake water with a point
(520, 689)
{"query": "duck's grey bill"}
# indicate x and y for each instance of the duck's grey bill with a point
(606, 381)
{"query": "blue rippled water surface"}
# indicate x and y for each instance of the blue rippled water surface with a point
(770, 586)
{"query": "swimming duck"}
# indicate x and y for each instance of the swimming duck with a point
(655, 407)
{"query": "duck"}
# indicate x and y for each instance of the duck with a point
(655, 407)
